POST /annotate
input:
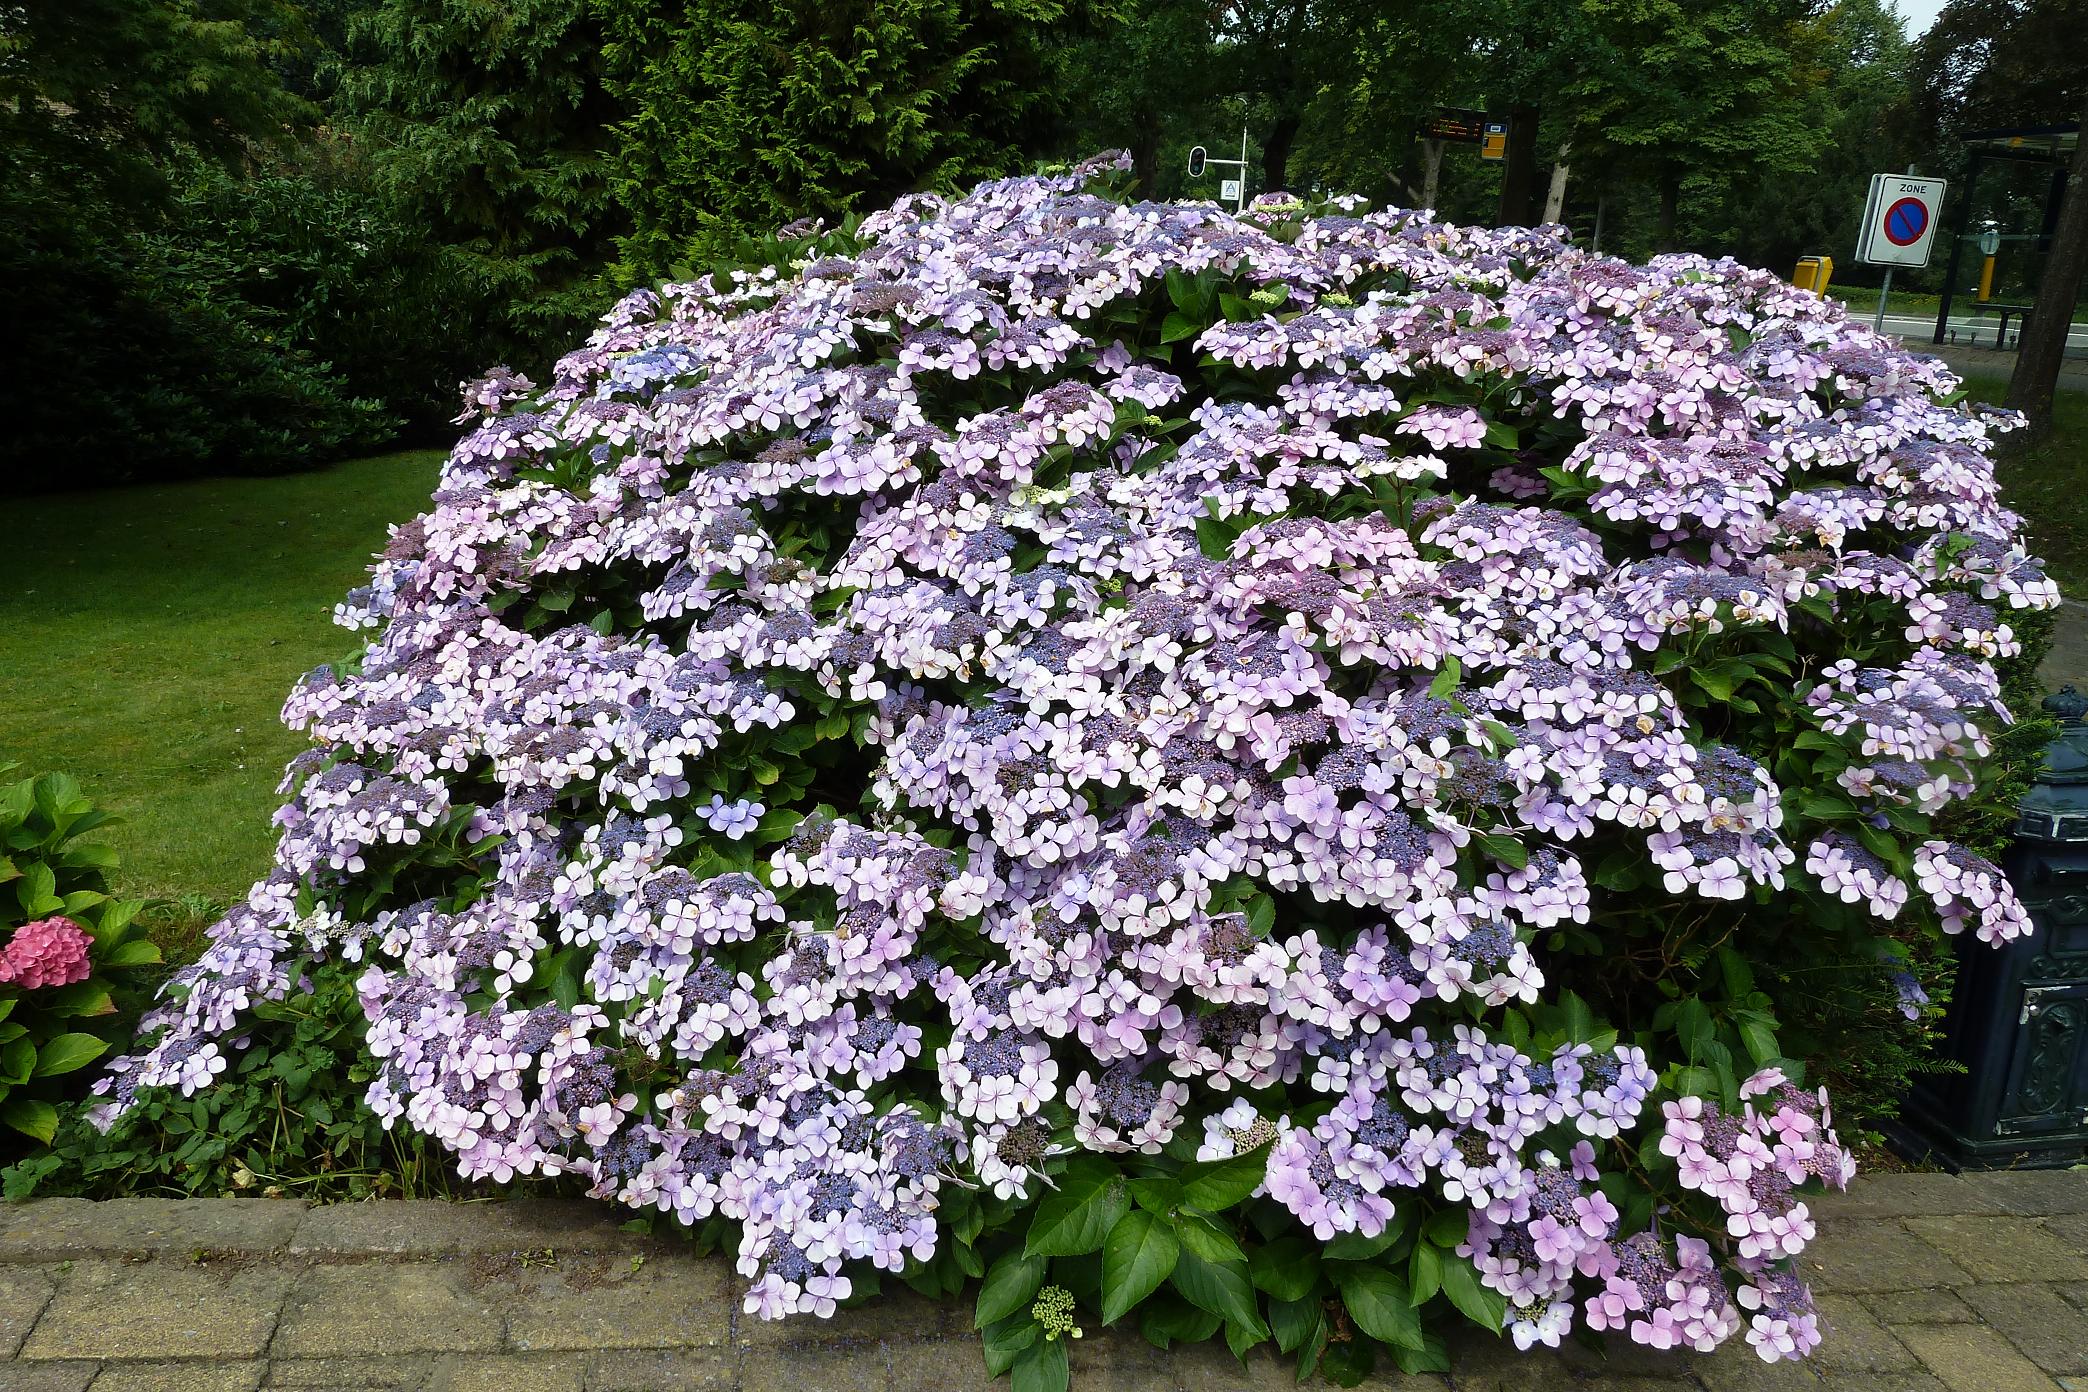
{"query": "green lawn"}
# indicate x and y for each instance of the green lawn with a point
(148, 636)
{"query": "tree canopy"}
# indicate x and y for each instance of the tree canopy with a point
(274, 192)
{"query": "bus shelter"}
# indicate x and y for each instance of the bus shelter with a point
(2048, 146)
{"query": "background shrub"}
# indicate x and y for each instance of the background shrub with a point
(70, 955)
(1253, 772)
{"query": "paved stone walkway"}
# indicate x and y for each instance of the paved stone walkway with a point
(1929, 1281)
(2067, 662)
(1993, 362)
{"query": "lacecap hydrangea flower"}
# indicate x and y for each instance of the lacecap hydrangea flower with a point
(1044, 694)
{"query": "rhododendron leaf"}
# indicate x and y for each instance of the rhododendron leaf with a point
(31, 1117)
(1077, 1216)
(1010, 1285)
(1348, 1362)
(1482, 1304)
(65, 1052)
(1425, 1272)
(1004, 1339)
(1138, 1257)
(1220, 1287)
(1446, 678)
(1378, 1302)
(1293, 1322)
(88, 997)
(1287, 1268)
(1212, 1185)
(1210, 1241)
(1041, 1367)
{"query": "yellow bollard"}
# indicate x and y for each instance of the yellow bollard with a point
(1986, 281)
(1813, 273)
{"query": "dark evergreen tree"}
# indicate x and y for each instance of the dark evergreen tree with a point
(124, 357)
(491, 129)
(742, 115)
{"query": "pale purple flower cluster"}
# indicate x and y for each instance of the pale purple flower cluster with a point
(910, 759)
(1752, 1164)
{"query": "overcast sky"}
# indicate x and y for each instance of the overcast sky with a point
(1919, 14)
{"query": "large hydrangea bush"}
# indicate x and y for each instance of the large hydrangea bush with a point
(1227, 772)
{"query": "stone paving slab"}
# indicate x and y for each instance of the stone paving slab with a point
(1926, 1283)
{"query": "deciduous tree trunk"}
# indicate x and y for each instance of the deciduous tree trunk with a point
(1431, 171)
(1276, 152)
(1670, 197)
(2042, 346)
(1145, 152)
(1555, 200)
(1519, 179)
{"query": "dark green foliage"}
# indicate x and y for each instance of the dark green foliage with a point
(742, 115)
(126, 358)
(1127, 85)
(50, 1032)
(144, 363)
(327, 263)
(96, 94)
(287, 1117)
(1988, 64)
(486, 131)
(1851, 74)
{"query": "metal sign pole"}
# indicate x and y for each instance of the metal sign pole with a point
(1240, 200)
(1885, 290)
(1236, 189)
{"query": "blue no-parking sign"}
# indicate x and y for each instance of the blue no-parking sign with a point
(1899, 220)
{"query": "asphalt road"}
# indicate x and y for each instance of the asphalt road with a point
(1918, 330)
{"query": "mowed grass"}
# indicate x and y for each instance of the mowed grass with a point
(148, 636)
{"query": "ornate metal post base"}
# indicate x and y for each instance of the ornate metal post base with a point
(2019, 1016)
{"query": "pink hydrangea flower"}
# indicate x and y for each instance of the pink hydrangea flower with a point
(49, 952)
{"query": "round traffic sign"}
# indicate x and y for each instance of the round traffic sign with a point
(1905, 221)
